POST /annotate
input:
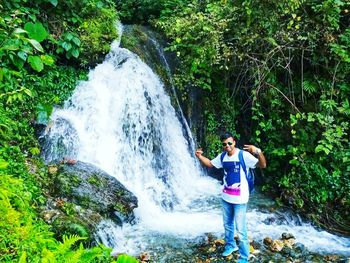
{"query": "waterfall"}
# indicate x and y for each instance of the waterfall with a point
(122, 121)
(160, 51)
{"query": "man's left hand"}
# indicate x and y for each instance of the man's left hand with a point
(251, 148)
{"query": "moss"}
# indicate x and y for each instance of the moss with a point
(65, 182)
(85, 201)
(97, 180)
(135, 39)
(129, 41)
(69, 208)
(121, 208)
(96, 33)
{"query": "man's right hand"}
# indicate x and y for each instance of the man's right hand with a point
(199, 152)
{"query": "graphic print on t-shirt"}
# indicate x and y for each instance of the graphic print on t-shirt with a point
(232, 178)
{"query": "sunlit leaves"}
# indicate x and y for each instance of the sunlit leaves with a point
(16, 95)
(3, 164)
(36, 31)
(47, 60)
(69, 45)
(126, 259)
(36, 63)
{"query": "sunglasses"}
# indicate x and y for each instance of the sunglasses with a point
(229, 143)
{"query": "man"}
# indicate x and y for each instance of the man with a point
(235, 194)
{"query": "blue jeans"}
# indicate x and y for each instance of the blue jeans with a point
(235, 216)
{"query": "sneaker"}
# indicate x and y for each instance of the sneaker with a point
(229, 250)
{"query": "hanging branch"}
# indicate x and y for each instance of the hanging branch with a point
(295, 107)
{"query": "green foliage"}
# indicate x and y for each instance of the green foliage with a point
(194, 23)
(342, 49)
(43, 112)
(69, 45)
(126, 259)
(36, 31)
(277, 73)
(34, 76)
(139, 12)
(102, 25)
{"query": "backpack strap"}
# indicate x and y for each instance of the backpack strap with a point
(241, 160)
(222, 156)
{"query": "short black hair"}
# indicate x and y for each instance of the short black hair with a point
(226, 135)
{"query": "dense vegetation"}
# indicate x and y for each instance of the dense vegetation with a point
(274, 72)
(277, 74)
(45, 46)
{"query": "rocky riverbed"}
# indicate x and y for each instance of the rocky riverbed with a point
(209, 249)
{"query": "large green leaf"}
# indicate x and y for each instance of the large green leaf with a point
(75, 53)
(12, 47)
(20, 31)
(36, 31)
(35, 44)
(22, 55)
(36, 63)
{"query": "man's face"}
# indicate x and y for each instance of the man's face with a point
(228, 144)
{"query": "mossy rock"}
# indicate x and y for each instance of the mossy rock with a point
(144, 42)
(90, 187)
(70, 219)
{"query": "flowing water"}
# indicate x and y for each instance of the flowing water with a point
(122, 121)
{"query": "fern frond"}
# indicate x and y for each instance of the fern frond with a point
(75, 256)
(47, 256)
(309, 86)
(68, 242)
(91, 254)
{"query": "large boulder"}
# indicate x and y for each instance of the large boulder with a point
(90, 187)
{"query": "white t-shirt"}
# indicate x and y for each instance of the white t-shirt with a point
(236, 189)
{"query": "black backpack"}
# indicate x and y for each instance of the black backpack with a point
(249, 174)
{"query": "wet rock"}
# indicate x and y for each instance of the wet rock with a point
(269, 220)
(278, 258)
(268, 241)
(331, 258)
(255, 244)
(210, 237)
(277, 245)
(289, 242)
(286, 236)
(68, 218)
(144, 257)
(300, 248)
(220, 242)
(287, 251)
(92, 188)
(50, 215)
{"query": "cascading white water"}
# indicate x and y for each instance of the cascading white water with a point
(122, 121)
